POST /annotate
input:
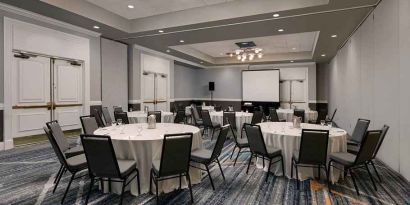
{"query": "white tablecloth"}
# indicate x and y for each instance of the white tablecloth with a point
(241, 117)
(188, 109)
(145, 148)
(282, 135)
(287, 114)
(141, 117)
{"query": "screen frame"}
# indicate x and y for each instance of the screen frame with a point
(268, 69)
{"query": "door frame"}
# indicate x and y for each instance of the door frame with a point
(155, 96)
(8, 60)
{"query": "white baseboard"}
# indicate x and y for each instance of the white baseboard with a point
(207, 99)
(1, 106)
(134, 101)
(95, 103)
(6, 145)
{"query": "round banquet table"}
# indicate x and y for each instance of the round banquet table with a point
(282, 135)
(287, 114)
(188, 109)
(141, 117)
(241, 117)
(145, 148)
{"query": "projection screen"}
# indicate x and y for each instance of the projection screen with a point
(260, 85)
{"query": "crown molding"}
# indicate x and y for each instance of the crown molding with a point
(45, 19)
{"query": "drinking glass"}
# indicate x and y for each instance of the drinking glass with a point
(322, 122)
(139, 130)
(119, 121)
(329, 124)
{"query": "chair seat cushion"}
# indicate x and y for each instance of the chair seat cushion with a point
(242, 142)
(126, 167)
(201, 155)
(77, 163)
(354, 149)
(343, 158)
(74, 151)
(352, 142)
(273, 152)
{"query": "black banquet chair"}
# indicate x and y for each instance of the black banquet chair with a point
(180, 117)
(312, 151)
(89, 124)
(259, 149)
(206, 157)
(117, 109)
(107, 116)
(299, 113)
(350, 161)
(74, 164)
(208, 124)
(359, 132)
(273, 116)
(123, 116)
(383, 135)
(174, 146)
(103, 164)
(157, 115)
(257, 118)
(98, 117)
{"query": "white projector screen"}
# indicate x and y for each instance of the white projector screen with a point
(260, 85)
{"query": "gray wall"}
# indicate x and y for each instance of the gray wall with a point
(369, 78)
(114, 74)
(322, 82)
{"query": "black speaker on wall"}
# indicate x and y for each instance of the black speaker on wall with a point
(211, 86)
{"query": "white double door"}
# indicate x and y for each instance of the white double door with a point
(45, 89)
(155, 91)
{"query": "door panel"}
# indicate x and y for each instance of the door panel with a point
(30, 95)
(149, 90)
(161, 92)
(67, 96)
(298, 91)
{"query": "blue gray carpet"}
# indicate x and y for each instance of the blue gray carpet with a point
(27, 174)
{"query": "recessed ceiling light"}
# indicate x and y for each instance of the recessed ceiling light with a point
(293, 48)
(161, 31)
(276, 15)
(131, 6)
(333, 36)
(181, 41)
(281, 30)
(168, 50)
(323, 55)
(201, 62)
(96, 27)
(292, 61)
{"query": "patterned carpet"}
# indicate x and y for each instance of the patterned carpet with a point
(27, 174)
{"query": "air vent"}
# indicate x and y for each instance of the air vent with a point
(246, 44)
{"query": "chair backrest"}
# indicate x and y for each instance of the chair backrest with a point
(195, 113)
(321, 116)
(255, 139)
(58, 135)
(107, 116)
(89, 124)
(368, 146)
(299, 113)
(219, 145)
(117, 109)
(55, 146)
(180, 116)
(313, 147)
(360, 130)
(199, 110)
(229, 118)
(97, 115)
(157, 115)
(175, 146)
(273, 115)
(333, 115)
(257, 117)
(218, 108)
(206, 118)
(123, 116)
(100, 155)
(384, 132)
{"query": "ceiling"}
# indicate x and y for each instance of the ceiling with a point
(145, 8)
(210, 27)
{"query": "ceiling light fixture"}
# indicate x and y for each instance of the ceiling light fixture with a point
(281, 30)
(96, 27)
(248, 53)
(333, 36)
(131, 6)
(168, 50)
(276, 15)
(293, 48)
(323, 55)
(161, 31)
(292, 61)
(181, 41)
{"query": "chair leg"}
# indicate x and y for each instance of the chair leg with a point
(354, 181)
(297, 176)
(150, 182)
(190, 187)
(58, 173)
(318, 171)
(267, 174)
(291, 168)
(329, 183)
(233, 151)
(68, 187)
(220, 168)
(249, 164)
(180, 181)
(371, 176)
(122, 192)
(212, 133)
(210, 177)
(283, 165)
(263, 162)
(156, 190)
(89, 190)
(375, 170)
(138, 182)
(237, 156)
(58, 180)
